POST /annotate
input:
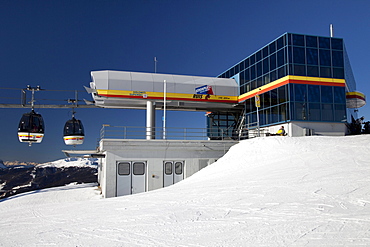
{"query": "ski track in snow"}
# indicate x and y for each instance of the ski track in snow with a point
(276, 191)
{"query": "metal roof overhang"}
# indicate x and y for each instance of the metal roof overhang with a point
(120, 89)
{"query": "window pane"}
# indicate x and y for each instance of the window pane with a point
(300, 111)
(299, 70)
(300, 92)
(282, 94)
(273, 75)
(265, 52)
(281, 72)
(339, 95)
(298, 40)
(258, 55)
(168, 168)
(313, 71)
(311, 41)
(280, 58)
(338, 73)
(337, 44)
(283, 113)
(327, 112)
(139, 168)
(325, 72)
(253, 72)
(274, 97)
(298, 55)
(312, 56)
(265, 66)
(259, 69)
(326, 94)
(314, 112)
(324, 42)
(339, 112)
(280, 43)
(314, 93)
(338, 59)
(272, 47)
(274, 114)
(273, 61)
(124, 168)
(325, 57)
(178, 168)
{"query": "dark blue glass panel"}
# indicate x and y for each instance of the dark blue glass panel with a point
(259, 82)
(327, 112)
(247, 75)
(339, 112)
(266, 67)
(283, 112)
(339, 95)
(282, 92)
(326, 94)
(266, 99)
(338, 58)
(314, 112)
(300, 92)
(272, 47)
(311, 41)
(241, 66)
(258, 55)
(273, 75)
(242, 78)
(299, 70)
(338, 73)
(291, 91)
(253, 72)
(314, 93)
(299, 55)
(312, 56)
(266, 79)
(299, 111)
(289, 37)
(273, 61)
(252, 59)
(337, 44)
(281, 72)
(298, 40)
(265, 52)
(232, 71)
(274, 114)
(274, 96)
(324, 42)
(324, 57)
(246, 62)
(280, 58)
(259, 68)
(290, 54)
(280, 43)
(227, 74)
(325, 72)
(313, 71)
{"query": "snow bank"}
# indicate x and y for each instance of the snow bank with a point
(274, 191)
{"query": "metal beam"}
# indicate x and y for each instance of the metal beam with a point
(46, 106)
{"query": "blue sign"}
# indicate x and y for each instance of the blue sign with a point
(204, 90)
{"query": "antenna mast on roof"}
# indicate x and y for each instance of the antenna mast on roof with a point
(155, 64)
(331, 30)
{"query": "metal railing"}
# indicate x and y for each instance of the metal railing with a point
(171, 133)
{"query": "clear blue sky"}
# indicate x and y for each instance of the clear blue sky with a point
(55, 44)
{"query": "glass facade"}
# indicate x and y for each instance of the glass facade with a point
(300, 78)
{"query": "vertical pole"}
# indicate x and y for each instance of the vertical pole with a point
(164, 108)
(150, 120)
(331, 30)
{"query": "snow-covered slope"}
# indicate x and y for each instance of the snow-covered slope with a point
(274, 191)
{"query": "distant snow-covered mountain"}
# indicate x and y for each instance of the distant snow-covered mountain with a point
(2, 166)
(22, 177)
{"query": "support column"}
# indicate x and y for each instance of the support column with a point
(150, 120)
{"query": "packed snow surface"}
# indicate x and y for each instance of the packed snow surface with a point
(275, 191)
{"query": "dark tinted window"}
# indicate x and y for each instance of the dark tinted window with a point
(299, 55)
(300, 92)
(326, 94)
(298, 40)
(339, 95)
(313, 93)
(168, 168)
(312, 56)
(311, 41)
(324, 57)
(338, 59)
(178, 168)
(324, 42)
(139, 168)
(123, 168)
(337, 44)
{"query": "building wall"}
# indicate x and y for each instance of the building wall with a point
(195, 154)
(298, 78)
